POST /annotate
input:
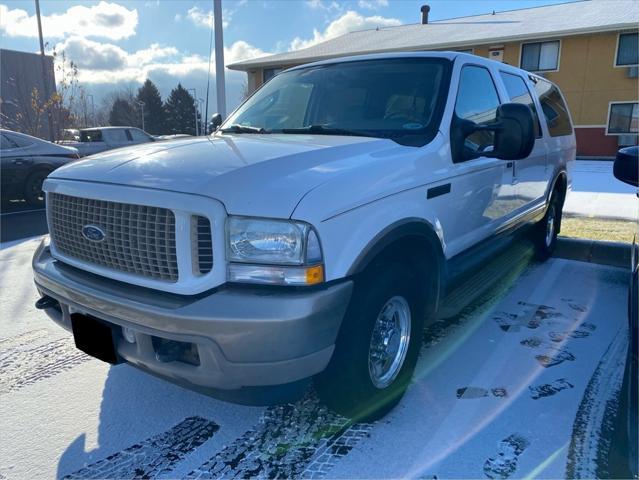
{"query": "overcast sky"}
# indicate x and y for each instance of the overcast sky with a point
(120, 43)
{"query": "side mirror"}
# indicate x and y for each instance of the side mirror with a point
(626, 167)
(514, 134)
(216, 121)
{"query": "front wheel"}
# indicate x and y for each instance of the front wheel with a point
(377, 348)
(545, 233)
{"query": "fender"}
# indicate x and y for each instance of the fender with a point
(408, 227)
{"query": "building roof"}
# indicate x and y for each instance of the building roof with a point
(529, 23)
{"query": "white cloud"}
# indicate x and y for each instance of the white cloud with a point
(107, 63)
(322, 5)
(200, 18)
(107, 20)
(372, 4)
(349, 22)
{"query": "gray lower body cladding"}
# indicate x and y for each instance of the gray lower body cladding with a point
(245, 337)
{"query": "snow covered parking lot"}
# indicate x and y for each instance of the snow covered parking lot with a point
(514, 384)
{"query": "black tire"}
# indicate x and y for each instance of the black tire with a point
(33, 193)
(346, 386)
(545, 232)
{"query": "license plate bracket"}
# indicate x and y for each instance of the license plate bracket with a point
(94, 337)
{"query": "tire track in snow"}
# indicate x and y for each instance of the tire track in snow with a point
(302, 439)
(589, 446)
(24, 365)
(154, 456)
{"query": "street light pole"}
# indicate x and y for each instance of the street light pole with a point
(197, 134)
(141, 104)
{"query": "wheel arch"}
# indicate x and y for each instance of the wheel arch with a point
(400, 240)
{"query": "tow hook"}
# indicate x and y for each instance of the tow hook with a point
(47, 302)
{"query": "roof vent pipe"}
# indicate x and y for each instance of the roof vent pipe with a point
(425, 9)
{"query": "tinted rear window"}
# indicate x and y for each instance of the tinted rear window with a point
(91, 136)
(554, 108)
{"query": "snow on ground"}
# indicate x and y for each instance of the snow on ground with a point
(514, 385)
(597, 193)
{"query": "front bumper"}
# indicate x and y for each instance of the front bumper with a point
(245, 337)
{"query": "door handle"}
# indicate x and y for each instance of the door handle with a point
(509, 165)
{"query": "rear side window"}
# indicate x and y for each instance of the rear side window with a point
(6, 143)
(477, 101)
(116, 135)
(518, 93)
(554, 108)
(138, 136)
(91, 136)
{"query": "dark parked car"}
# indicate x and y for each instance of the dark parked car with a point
(624, 443)
(26, 161)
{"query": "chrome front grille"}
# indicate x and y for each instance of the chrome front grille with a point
(138, 239)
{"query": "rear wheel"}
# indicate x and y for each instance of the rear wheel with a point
(545, 233)
(377, 348)
(33, 193)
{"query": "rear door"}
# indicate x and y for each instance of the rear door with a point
(530, 174)
(560, 139)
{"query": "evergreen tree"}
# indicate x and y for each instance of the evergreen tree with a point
(123, 114)
(153, 112)
(180, 112)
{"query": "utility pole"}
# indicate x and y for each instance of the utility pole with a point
(47, 94)
(208, 82)
(219, 59)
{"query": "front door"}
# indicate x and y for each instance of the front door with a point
(483, 187)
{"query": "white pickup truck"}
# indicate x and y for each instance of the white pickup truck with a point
(100, 139)
(313, 234)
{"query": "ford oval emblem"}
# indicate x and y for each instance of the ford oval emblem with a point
(93, 233)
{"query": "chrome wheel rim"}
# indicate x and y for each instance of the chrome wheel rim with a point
(389, 342)
(550, 226)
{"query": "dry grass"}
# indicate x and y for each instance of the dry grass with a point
(599, 229)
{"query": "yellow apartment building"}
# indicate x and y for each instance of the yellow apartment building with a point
(589, 48)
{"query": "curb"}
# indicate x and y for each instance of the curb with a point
(613, 254)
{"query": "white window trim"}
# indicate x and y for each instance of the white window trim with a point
(551, 40)
(610, 104)
(466, 50)
(614, 63)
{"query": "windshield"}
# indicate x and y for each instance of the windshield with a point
(401, 99)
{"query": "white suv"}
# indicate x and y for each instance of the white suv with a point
(313, 234)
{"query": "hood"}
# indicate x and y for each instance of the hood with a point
(261, 175)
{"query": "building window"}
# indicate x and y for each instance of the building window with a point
(623, 119)
(540, 56)
(628, 50)
(269, 73)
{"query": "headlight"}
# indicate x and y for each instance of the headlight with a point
(273, 251)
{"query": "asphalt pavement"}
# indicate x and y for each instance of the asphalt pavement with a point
(515, 380)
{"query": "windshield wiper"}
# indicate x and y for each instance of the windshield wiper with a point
(322, 130)
(236, 128)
